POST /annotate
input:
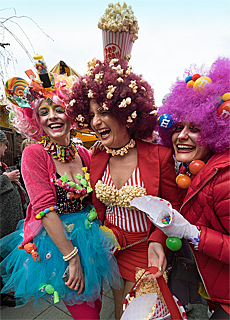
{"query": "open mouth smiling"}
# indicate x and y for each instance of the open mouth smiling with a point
(55, 126)
(104, 133)
(185, 148)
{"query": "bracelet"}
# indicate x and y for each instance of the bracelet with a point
(47, 210)
(71, 254)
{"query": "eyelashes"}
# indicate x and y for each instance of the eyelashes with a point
(45, 111)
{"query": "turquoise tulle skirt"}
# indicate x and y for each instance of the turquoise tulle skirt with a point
(42, 280)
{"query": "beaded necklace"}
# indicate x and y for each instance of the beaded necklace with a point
(61, 153)
(121, 151)
(184, 180)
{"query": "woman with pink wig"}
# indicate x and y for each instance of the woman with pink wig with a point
(194, 121)
(119, 106)
(63, 252)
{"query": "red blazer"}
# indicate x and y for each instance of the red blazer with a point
(207, 205)
(157, 170)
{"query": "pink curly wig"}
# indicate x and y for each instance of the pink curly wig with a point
(26, 121)
(200, 108)
(98, 79)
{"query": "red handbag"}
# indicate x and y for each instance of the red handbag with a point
(172, 303)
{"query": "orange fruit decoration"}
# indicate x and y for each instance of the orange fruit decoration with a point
(183, 181)
(195, 166)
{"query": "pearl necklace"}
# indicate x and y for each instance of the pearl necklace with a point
(121, 151)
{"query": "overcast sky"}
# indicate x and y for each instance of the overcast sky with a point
(173, 35)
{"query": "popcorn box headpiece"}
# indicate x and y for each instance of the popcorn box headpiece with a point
(119, 31)
(116, 44)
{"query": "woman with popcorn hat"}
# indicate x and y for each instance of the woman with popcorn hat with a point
(119, 106)
(198, 110)
(64, 254)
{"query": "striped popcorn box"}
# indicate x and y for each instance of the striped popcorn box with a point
(116, 44)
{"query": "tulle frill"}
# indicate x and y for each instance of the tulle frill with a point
(31, 280)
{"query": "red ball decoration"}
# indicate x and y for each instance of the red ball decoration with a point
(183, 181)
(195, 166)
(195, 77)
(224, 110)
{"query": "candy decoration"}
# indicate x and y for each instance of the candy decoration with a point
(187, 79)
(165, 121)
(196, 166)
(166, 220)
(190, 84)
(173, 243)
(183, 181)
(195, 77)
(15, 87)
(226, 96)
(48, 288)
(224, 110)
(30, 248)
(201, 83)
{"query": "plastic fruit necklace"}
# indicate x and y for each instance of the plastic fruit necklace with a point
(184, 180)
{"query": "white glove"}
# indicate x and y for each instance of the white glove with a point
(157, 209)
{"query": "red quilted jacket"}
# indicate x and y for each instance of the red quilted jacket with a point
(207, 204)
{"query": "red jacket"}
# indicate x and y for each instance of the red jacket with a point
(156, 166)
(207, 204)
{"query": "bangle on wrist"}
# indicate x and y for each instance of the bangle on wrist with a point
(71, 254)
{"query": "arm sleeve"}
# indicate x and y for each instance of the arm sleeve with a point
(168, 190)
(212, 242)
(36, 165)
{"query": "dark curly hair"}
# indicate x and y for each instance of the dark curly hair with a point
(186, 104)
(120, 91)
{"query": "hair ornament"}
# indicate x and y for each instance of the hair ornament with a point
(91, 64)
(134, 115)
(153, 112)
(90, 94)
(120, 80)
(72, 102)
(111, 90)
(165, 121)
(197, 82)
(118, 69)
(80, 118)
(112, 62)
(133, 86)
(99, 76)
(128, 71)
(104, 106)
(125, 102)
(224, 106)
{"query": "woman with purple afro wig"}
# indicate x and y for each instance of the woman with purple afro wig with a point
(119, 106)
(194, 120)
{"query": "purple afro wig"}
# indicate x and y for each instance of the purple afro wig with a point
(185, 104)
(117, 90)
